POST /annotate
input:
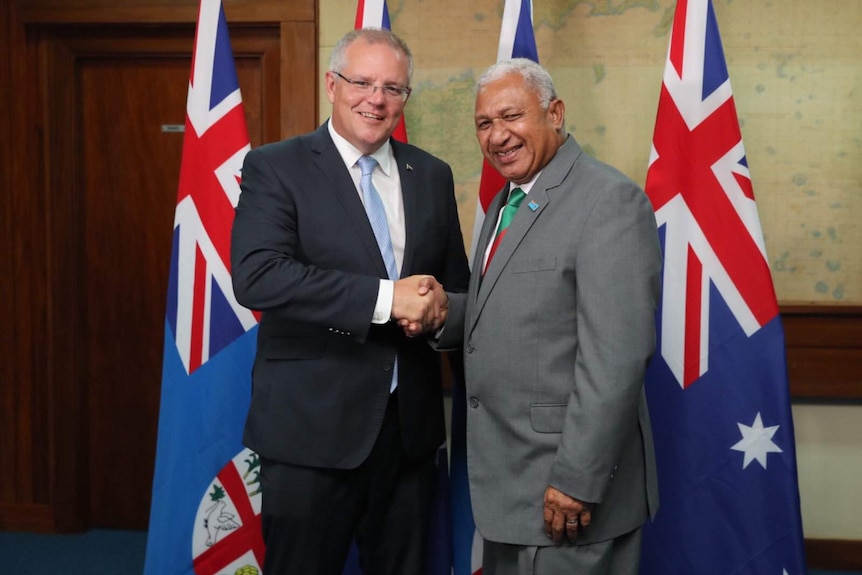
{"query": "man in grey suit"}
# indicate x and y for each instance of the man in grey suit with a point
(557, 328)
(333, 233)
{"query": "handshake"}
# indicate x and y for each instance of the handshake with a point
(419, 305)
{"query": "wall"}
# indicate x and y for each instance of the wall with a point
(829, 452)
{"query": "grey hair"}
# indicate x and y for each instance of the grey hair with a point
(533, 74)
(338, 60)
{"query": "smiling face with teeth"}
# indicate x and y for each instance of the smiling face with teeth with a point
(366, 120)
(517, 135)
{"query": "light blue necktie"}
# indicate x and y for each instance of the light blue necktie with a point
(377, 215)
(377, 218)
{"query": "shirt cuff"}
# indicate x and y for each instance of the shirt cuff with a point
(383, 307)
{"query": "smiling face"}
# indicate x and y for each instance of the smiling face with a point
(517, 136)
(366, 120)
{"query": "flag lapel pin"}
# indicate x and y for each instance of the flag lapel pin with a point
(533, 205)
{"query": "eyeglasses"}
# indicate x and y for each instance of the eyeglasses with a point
(389, 90)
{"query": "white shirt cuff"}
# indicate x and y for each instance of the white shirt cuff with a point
(383, 307)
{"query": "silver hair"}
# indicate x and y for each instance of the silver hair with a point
(533, 74)
(338, 60)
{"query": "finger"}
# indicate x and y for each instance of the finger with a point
(558, 529)
(412, 329)
(572, 527)
(585, 517)
(426, 284)
(548, 516)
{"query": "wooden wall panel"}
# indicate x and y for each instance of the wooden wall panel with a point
(24, 424)
(824, 351)
(64, 346)
(834, 554)
(9, 41)
(299, 84)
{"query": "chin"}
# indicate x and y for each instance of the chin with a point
(510, 175)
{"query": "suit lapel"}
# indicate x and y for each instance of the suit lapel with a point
(331, 165)
(527, 215)
(409, 172)
(489, 225)
(535, 202)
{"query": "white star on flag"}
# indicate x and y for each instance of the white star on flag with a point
(756, 442)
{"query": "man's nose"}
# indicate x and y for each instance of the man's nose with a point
(377, 95)
(499, 132)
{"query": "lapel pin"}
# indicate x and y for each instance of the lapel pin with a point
(533, 205)
(409, 168)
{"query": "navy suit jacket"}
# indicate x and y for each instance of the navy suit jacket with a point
(304, 254)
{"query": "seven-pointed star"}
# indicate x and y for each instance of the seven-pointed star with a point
(756, 442)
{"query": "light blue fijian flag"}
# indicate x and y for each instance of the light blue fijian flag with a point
(717, 386)
(517, 40)
(205, 513)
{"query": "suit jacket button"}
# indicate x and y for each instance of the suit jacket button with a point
(474, 403)
(470, 348)
(387, 366)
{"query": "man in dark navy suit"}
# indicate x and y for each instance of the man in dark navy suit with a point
(346, 410)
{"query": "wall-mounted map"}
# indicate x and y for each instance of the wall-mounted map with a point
(796, 73)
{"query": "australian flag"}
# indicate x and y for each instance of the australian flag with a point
(516, 41)
(717, 386)
(205, 512)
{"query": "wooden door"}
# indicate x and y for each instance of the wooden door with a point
(129, 96)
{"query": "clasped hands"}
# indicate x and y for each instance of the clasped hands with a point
(419, 304)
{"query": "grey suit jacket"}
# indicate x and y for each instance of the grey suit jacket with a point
(557, 336)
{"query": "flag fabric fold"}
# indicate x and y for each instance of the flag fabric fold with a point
(517, 40)
(205, 510)
(717, 385)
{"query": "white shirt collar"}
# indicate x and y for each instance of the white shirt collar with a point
(527, 186)
(350, 154)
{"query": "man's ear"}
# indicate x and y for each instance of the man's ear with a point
(329, 86)
(557, 113)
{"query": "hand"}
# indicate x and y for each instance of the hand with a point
(419, 304)
(564, 515)
(428, 285)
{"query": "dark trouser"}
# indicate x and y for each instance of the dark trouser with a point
(310, 516)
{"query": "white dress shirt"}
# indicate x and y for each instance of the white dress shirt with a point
(387, 181)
